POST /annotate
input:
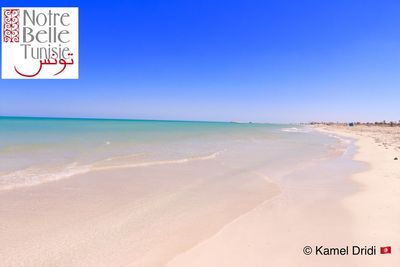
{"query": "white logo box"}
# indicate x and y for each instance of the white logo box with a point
(40, 43)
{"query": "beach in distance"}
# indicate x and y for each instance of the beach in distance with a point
(88, 192)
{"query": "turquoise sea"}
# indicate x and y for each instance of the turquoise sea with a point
(37, 150)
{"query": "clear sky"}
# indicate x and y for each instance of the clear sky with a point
(270, 61)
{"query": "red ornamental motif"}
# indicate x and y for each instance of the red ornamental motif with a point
(11, 26)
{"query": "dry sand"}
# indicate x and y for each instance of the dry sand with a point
(376, 208)
(275, 232)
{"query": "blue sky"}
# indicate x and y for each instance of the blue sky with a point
(269, 61)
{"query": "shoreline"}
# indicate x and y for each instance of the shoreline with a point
(249, 219)
(368, 222)
(375, 206)
(275, 232)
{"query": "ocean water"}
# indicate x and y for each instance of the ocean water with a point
(39, 150)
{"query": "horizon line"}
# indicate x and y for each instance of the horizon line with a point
(131, 119)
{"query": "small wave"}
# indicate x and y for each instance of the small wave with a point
(341, 139)
(36, 176)
(155, 163)
(295, 130)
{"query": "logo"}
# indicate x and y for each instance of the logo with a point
(386, 250)
(40, 43)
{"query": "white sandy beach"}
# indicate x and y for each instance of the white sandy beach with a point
(275, 232)
(200, 134)
(153, 216)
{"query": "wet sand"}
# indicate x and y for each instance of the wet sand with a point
(275, 233)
